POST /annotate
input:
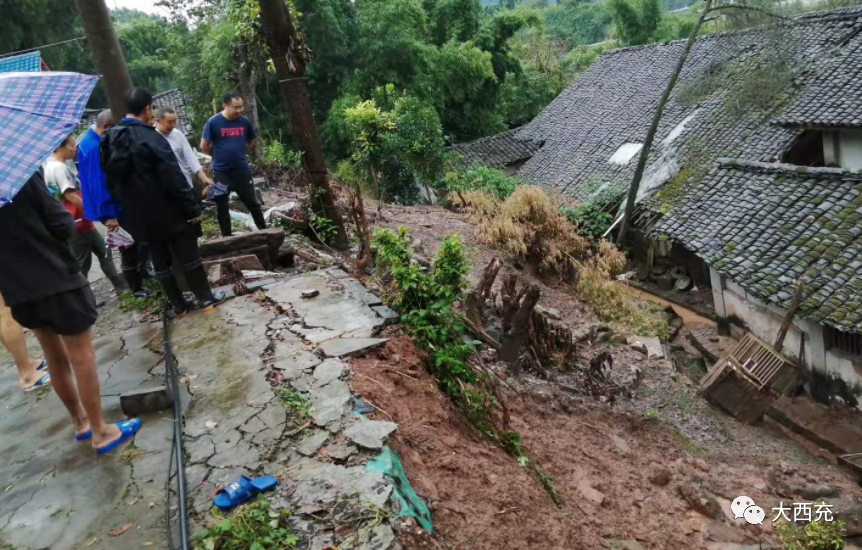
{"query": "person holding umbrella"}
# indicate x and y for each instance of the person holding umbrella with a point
(142, 173)
(40, 279)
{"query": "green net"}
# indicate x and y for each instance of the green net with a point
(389, 465)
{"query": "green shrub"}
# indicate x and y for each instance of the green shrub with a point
(816, 535)
(479, 178)
(593, 216)
(425, 303)
(274, 152)
(425, 300)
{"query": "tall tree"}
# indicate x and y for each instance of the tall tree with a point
(636, 21)
(290, 56)
(107, 52)
(709, 7)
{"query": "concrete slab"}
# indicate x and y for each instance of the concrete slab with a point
(371, 434)
(346, 347)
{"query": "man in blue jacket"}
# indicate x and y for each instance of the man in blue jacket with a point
(98, 204)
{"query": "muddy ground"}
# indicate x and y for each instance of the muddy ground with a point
(626, 472)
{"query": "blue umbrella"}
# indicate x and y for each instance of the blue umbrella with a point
(37, 111)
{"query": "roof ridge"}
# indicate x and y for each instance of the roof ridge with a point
(805, 18)
(786, 168)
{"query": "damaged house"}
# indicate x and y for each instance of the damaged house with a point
(754, 182)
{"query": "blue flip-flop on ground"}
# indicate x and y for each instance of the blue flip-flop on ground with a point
(128, 428)
(43, 365)
(86, 435)
(44, 381)
(242, 490)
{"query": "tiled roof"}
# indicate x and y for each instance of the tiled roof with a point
(498, 151)
(834, 97)
(171, 98)
(25, 62)
(177, 100)
(764, 225)
(612, 104)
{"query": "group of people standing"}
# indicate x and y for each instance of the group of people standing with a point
(134, 177)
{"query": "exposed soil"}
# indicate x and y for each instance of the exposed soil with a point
(602, 456)
(602, 459)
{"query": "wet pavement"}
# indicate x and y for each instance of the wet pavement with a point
(235, 362)
(55, 492)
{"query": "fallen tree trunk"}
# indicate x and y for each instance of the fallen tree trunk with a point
(245, 243)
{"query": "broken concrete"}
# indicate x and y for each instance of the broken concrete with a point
(346, 347)
(371, 434)
(312, 443)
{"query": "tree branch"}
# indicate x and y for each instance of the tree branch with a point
(752, 8)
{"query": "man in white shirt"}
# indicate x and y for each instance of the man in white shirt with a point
(87, 241)
(166, 123)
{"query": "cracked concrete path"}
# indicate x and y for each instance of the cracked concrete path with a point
(55, 492)
(251, 365)
(267, 393)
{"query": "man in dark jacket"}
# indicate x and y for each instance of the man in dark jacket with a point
(41, 283)
(100, 206)
(160, 209)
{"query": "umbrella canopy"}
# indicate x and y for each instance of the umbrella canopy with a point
(37, 112)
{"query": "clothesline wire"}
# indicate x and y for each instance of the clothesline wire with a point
(41, 47)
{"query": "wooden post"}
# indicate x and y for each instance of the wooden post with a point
(107, 53)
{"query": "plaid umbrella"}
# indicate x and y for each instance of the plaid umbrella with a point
(37, 111)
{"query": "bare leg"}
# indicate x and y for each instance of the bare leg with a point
(12, 336)
(83, 358)
(61, 377)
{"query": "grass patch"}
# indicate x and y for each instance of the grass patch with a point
(210, 228)
(684, 402)
(253, 526)
(295, 402)
(652, 415)
(131, 453)
(127, 301)
(686, 443)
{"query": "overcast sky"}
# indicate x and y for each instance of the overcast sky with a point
(143, 5)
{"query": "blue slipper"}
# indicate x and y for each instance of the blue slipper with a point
(242, 490)
(128, 429)
(43, 365)
(83, 436)
(44, 381)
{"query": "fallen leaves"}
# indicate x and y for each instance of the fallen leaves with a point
(120, 530)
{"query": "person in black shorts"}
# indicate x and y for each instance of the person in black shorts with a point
(142, 172)
(44, 289)
(228, 136)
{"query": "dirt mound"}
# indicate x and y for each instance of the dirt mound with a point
(481, 498)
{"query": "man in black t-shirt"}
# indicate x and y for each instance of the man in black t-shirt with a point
(228, 136)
